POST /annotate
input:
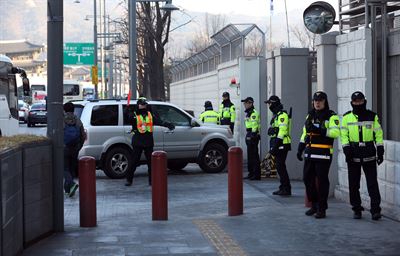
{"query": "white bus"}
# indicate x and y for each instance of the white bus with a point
(72, 90)
(9, 122)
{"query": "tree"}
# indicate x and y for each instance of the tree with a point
(202, 38)
(153, 26)
(305, 37)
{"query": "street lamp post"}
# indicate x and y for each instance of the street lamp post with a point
(96, 91)
(132, 39)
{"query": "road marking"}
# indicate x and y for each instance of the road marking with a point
(223, 243)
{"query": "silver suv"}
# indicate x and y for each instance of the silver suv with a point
(108, 127)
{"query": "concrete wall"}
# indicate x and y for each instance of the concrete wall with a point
(291, 85)
(354, 72)
(191, 93)
(26, 196)
(12, 202)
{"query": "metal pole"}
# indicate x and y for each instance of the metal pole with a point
(101, 51)
(55, 130)
(110, 74)
(384, 69)
(96, 89)
(104, 52)
(132, 48)
(120, 80)
(366, 14)
(287, 26)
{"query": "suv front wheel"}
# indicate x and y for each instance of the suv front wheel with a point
(213, 158)
(117, 162)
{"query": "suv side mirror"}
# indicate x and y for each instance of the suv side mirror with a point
(194, 123)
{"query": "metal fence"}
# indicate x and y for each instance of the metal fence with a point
(231, 42)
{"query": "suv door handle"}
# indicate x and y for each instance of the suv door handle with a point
(169, 131)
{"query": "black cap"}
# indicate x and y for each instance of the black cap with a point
(273, 99)
(142, 101)
(207, 104)
(248, 100)
(225, 94)
(357, 96)
(320, 95)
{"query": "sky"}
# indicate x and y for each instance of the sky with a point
(258, 8)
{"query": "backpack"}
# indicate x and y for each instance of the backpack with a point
(71, 134)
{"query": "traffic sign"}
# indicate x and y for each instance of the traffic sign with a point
(78, 53)
(95, 72)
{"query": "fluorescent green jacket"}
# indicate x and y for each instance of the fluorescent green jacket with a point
(210, 116)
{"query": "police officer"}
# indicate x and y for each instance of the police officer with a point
(319, 131)
(252, 123)
(280, 140)
(227, 111)
(362, 141)
(209, 115)
(142, 140)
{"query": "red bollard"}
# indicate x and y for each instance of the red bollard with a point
(307, 202)
(235, 181)
(159, 188)
(87, 191)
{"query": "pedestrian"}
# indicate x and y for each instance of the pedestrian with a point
(74, 137)
(319, 131)
(362, 141)
(227, 111)
(280, 143)
(252, 123)
(209, 115)
(142, 140)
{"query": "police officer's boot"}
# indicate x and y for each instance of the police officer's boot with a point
(376, 216)
(357, 215)
(128, 183)
(320, 214)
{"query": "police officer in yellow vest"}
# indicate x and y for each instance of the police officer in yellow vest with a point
(209, 115)
(252, 123)
(227, 111)
(319, 131)
(142, 140)
(362, 141)
(280, 143)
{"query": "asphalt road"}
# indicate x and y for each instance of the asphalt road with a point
(37, 130)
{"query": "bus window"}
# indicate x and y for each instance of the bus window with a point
(38, 87)
(71, 89)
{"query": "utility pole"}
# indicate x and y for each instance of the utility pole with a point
(96, 88)
(55, 113)
(132, 48)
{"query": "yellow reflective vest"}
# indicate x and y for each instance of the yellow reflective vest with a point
(210, 116)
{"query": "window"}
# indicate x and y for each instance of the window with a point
(106, 115)
(128, 113)
(171, 114)
(38, 87)
(71, 89)
(78, 110)
(38, 106)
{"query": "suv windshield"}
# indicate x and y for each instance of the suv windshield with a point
(38, 107)
(170, 114)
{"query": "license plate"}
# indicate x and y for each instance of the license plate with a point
(41, 114)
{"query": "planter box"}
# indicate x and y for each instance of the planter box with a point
(26, 185)
(11, 202)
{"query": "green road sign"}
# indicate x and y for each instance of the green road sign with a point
(79, 54)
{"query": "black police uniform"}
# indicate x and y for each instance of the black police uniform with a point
(320, 130)
(279, 147)
(362, 141)
(143, 141)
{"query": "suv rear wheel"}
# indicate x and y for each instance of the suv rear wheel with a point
(117, 162)
(214, 158)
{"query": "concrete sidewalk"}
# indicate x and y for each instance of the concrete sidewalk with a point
(198, 223)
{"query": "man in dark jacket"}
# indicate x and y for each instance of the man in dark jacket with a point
(142, 140)
(74, 137)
